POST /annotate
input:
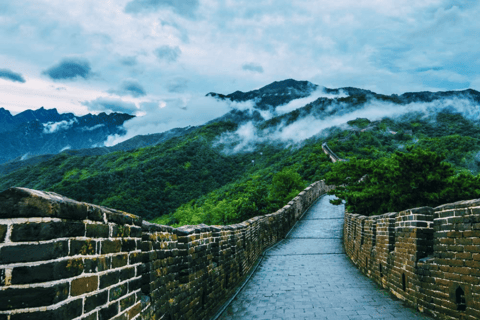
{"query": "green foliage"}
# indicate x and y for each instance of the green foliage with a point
(285, 185)
(255, 195)
(404, 180)
(359, 122)
(189, 180)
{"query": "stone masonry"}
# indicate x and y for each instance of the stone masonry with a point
(63, 259)
(308, 276)
(428, 257)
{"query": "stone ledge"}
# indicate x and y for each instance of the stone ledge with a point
(28, 203)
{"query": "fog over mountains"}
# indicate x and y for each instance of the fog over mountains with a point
(287, 112)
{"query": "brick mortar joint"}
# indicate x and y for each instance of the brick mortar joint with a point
(48, 284)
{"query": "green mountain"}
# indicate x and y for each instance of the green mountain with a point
(240, 166)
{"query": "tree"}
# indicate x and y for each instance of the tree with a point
(404, 180)
(286, 184)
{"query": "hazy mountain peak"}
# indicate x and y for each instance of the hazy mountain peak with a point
(45, 131)
(272, 95)
(289, 84)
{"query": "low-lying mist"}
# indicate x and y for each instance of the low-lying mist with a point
(161, 116)
(337, 114)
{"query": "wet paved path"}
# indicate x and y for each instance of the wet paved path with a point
(308, 276)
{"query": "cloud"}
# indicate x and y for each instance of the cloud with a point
(290, 106)
(168, 53)
(178, 85)
(247, 136)
(112, 105)
(253, 67)
(384, 46)
(186, 8)
(160, 116)
(129, 61)
(130, 88)
(70, 68)
(52, 127)
(11, 76)
(95, 127)
(298, 103)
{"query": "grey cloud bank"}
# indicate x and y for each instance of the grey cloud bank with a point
(11, 76)
(175, 50)
(131, 88)
(168, 53)
(252, 67)
(70, 68)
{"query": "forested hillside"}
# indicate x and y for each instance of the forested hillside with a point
(227, 171)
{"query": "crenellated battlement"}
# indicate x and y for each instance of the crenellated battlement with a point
(428, 257)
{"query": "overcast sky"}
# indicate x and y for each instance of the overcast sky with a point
(136, 56)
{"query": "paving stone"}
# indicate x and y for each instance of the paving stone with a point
(308, 276)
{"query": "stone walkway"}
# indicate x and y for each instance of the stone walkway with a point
(308, 276)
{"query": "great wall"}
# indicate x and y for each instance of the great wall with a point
(63, 259)
(428, 257)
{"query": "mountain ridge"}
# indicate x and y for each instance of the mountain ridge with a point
(222, 172)
(45, 131)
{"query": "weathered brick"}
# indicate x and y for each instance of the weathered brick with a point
(127, 302)
(472, 249)
(108, 312)
(111, 246)
(97, 264)
(47, 272)
(127, 273)
(135, 284)
(135, 310)
(117, 292)
(3, 232)
(97, 231)
(109, 279)
(128, 245)
(84, 285)
(83, 247)
(37, 252)
(70, 310)
(95, 213)
(96, 300)
(121, 231)
(46, 231)
(19, 298)
(135, 232)
(137, 257)
(119, 260)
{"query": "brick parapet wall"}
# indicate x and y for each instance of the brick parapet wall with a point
(428, 257)
(63, 259)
